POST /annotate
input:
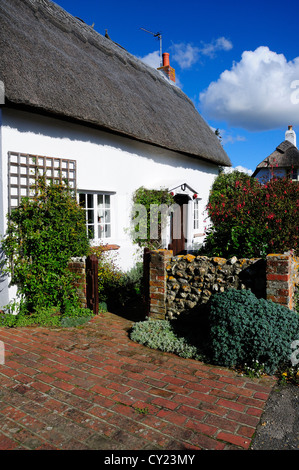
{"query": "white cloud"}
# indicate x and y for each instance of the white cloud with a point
(240, 168)
(256, 93)
(231, 139)
(152, 59)
(220, 44)
(228, 138)
(185, 54)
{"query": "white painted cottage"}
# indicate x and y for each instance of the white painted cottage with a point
(79, 104)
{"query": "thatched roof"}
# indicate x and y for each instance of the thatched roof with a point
(286, 155)
(54, 63)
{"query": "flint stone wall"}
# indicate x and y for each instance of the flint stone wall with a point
(191, 280)
(182, 283)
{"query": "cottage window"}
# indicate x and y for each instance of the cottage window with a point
(98, 214)
(196, 215)
(23, 169)
(294, 174)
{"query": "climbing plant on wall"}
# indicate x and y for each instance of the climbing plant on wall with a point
(43, 233)
(146, 211)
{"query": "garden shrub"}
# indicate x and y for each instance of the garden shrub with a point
(245, 329)
(46, 316)
(250, 219)
(159, 334)
(116, 288)
(131, 285)
(43, 233)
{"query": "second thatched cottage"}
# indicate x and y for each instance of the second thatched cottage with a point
(80, 105)
(283, 162)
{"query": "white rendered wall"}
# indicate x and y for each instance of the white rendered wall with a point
(105, 162)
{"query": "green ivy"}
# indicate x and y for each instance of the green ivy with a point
(149, 199)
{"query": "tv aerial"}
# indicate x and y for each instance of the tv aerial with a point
(159, 37)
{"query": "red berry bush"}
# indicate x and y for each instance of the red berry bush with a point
(251, 219)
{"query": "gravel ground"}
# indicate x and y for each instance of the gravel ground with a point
(279, 425)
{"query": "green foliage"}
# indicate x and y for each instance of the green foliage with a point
(129, 288)
(289, 375)
(254, 369)
(109, 274)
(252, 335)
(150, 199)
(250, 219)
(159, 334)
(116, 288)
(70, 322)
(46, 316)
(244, 329)
(141, 411)
(43, 233)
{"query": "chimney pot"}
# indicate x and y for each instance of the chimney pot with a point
(165, 56)
(290, 135)
(166, 69)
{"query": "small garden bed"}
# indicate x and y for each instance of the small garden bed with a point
(239, 331)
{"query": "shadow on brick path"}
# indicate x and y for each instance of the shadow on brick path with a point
(92, 388)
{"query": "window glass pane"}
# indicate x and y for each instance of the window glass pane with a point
(107, 231)
(90, 216)
(82, 199)
(90, 231)
(90, 201)
(100, 215)
(100, 208)
(196, 215)
(107, 216)
(107, 201)
(100, 231)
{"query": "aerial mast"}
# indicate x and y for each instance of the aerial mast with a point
(159, 37)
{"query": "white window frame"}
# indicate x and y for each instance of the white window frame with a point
(196, 215)
(94, 212)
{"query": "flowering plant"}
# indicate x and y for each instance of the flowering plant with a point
(251, 219)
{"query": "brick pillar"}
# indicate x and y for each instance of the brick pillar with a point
(158, 260)
(77, 266)
(281, 279)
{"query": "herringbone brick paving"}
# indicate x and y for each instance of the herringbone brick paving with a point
(91, 387)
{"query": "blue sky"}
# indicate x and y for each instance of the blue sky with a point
(237, 61)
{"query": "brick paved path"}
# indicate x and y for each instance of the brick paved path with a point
(92, 388)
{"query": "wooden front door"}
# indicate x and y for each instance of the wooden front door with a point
(178, 225)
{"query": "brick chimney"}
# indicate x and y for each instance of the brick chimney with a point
(166, 69)
(290, 135)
